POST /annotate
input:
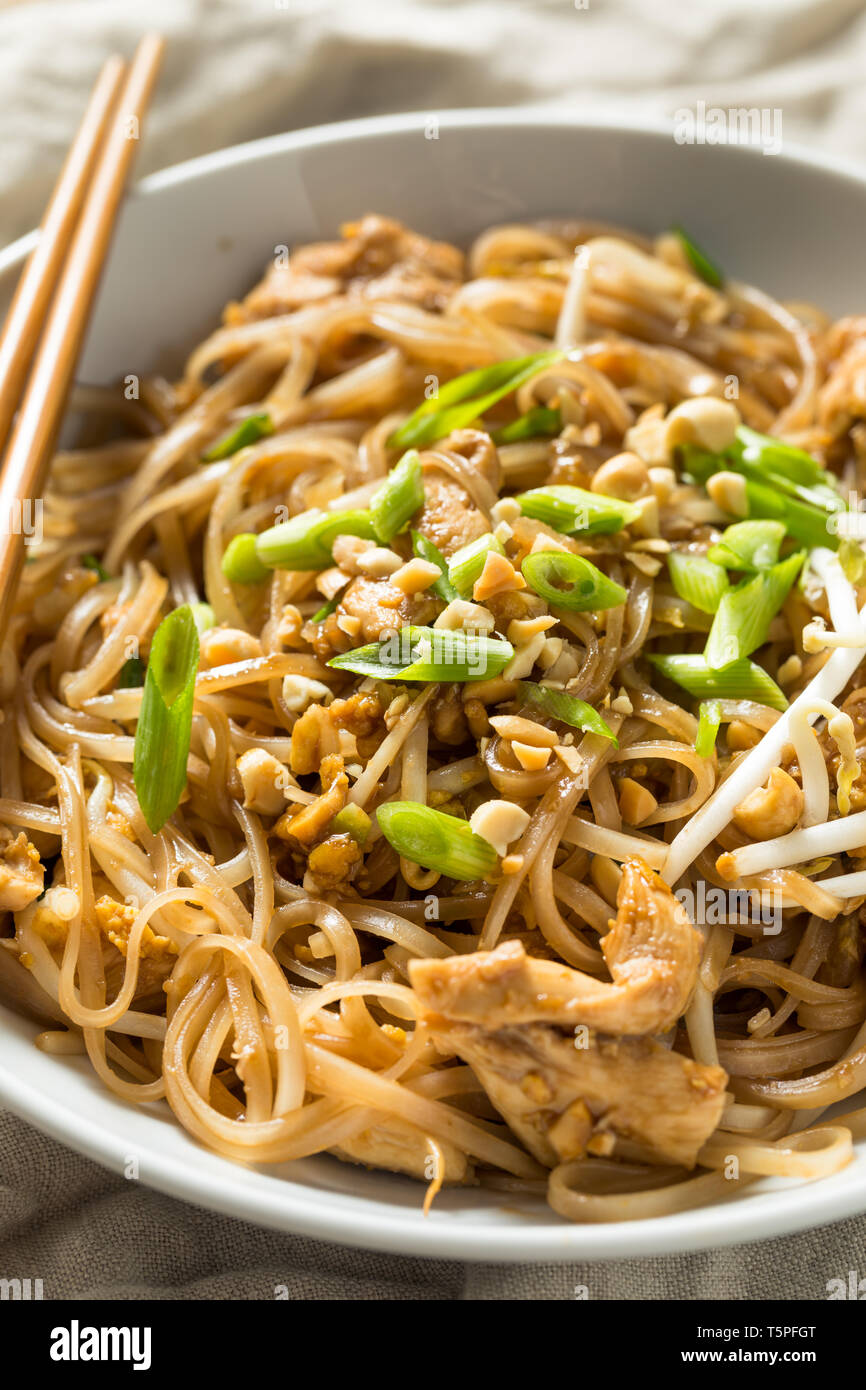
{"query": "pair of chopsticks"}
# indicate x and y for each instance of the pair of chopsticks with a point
(46, 323)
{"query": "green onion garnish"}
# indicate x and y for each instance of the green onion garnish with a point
(466, 564)
(466, 398)
(327, 608)
(352, 821)
(399, 497)
(241, 564)
(697, 579)
(742, 680)
(773, 456)
(538, 422)
(165, 719)
(852, 558)
(699, 260)
(745, 612)
(203, 616)
(426, 550)
(571, 509)
(131, 674)
(748, 545)
(569, 581)
(568, 709)
(428, 654)
(90, 562)
(807, 524)
(709, 720)
(783, 483)
(254, 427)
(436, 841)
(305, 542)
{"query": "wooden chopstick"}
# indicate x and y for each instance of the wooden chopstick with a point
(25, 466)
(27, 311)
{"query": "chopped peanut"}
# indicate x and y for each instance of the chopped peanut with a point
(307, 824)
(378, 562)
(530, 756)
(347, 552)
(514, 726)
(500, 822)
(705, 420)
(728, 491)
(263, 777)
(497, 577)
(625, 476)
(772, 810)
(416, 576)
(741, 735)
(471, 617)
(636, 803)
(222, 646)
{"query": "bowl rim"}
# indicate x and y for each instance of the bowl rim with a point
(293, 1206)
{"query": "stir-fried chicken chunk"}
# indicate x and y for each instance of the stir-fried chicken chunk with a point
(449, 517)
(21, 872)
(652, 951)
(559, 1097)
(399, 1147)
(377, 257)
(564, 1094)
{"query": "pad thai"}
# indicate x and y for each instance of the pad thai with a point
(434, 727)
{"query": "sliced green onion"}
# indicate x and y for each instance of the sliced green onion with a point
(568, 709)
(165, 719)
(699, 260)
(241, 564)
(745, 612)
(774, 456)
(569, 581)
(352, 821)
(428, 654)
(742, 680)
(709, 721)
(399, 497)
(436, 841)
(749, 545)
(327, 608)
(852, 558)
(253, 428)
(466, 564)
(697, 579)
(131, 674)
(540, 421)
(426, 550)
(805, 523)
(90, 562)
(571, 509)
(305, 542)
(467, 397)
(203, 616)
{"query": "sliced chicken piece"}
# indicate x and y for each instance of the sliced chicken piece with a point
(22, 873)
(842, 398)
(377, 257)
(380, 606)
(399, 1147)
(559, 1097)
(652, 951)
(449, 517)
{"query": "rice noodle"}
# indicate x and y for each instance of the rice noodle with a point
(252, 963)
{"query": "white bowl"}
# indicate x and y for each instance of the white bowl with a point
(197, 235)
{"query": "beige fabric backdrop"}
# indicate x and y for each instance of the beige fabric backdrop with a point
(240, 70)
